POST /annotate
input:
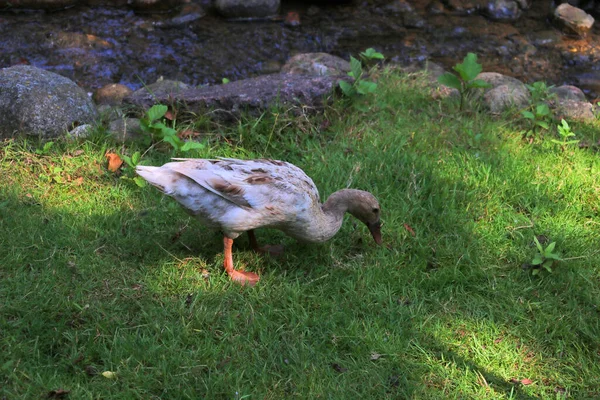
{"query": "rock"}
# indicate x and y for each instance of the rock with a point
(35, 102)
(316, 64)
(126, 129)
(502, 10)
(573, 19)
(505, 92)
(111, 94)
(153, 6)
(50, 5)
(568, 92)
(247, 8)
(82, 131)
(164, 88)
(574, 110)
(398, 7)
(188, 14)
(253, 95)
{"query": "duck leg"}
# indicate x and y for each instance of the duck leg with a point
(273, 250)
(241, 277)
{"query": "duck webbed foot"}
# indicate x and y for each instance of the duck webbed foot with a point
(241, 277)
(274, 250)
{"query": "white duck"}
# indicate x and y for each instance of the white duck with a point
(238, 196)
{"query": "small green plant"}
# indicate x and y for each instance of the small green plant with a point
(225, 81)
(538, 114)
(540, 92)
(153, 124)
(466, 80)
(359, 86)
(565, 132)
(544, 258)
(539, 118)
(45, 149)
(129, 171)
(370, 56)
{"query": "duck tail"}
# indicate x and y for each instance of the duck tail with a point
(162, 178)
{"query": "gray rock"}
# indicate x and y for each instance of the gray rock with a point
(163, 88)
(50, 5)
(316, 64)
(502, 10)
(253, 95)
(573, 19)
(41, 103)
(82, 131)
(152, 6)
(247, 8)
(574, 110)
(126, 129)
(568, 92)
(505, 92)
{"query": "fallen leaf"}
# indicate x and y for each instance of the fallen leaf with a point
(109, 375)
(77, 152)
(58, 393)
(170, 115)
(526, 381)
(114, 162)
(188, 134)
(375, 356)
(410, 229)
(78, 181)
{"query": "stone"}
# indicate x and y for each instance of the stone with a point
(155, 6)
(574, 110)
(254, 95)
(573, 19)
(36, 102)
(568, 92)
(111, 94)
(50, 5)
(505, 92)
(125, 129)
(247, 8)
(164, 88)
(316, 64)
(188, 14)
(502, 10)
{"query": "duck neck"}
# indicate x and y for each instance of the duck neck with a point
(333, 211)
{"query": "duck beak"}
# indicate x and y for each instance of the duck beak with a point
(375, 229)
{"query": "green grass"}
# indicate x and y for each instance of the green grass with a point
(99, 275)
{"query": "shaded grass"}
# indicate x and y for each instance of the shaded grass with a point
(99, 275)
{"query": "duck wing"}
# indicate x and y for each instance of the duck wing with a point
(250, 183)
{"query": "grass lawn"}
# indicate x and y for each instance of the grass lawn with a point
(111, 291)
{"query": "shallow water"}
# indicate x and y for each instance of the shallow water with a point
(97, 46)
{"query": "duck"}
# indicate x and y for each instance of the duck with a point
(236, 196)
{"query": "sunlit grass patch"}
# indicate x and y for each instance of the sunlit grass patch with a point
(99, 275)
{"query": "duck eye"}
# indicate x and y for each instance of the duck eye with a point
(375, 210)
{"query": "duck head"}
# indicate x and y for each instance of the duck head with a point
(366, 209)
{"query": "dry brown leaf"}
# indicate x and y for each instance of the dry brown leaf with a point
(410, 229)
(526, 381)
(375, 356)
(114, 162)
(78, 181)
(170, 115)
(188, 134)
